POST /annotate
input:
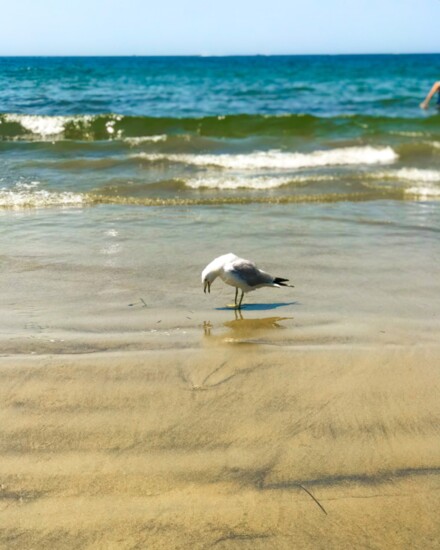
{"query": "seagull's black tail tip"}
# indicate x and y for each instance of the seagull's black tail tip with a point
(280, 281)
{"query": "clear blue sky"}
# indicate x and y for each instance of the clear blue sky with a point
(222, 27)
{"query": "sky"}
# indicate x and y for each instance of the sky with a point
(225, 27)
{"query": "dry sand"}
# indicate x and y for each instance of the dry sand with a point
(227, 446)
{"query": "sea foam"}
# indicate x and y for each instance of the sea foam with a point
(419, 175)
(424, 181)
(38, 199)
(255, 183)
(269, 160)
(40, 125)
(145, 139)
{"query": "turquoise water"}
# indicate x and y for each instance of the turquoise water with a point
(217, 130)
(377, 85)
(121, 178)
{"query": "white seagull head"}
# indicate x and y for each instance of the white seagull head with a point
(212, 270)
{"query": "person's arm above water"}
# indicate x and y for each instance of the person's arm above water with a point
(432, 91)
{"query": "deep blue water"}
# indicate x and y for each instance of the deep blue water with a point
(379, 85)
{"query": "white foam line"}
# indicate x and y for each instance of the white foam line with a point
(257, 183)
(281, 160)
(417, 174)
(145, 139)
(18, 199)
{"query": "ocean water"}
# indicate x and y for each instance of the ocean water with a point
(217, 130)
(121, 178)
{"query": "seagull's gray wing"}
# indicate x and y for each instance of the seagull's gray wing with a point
(249, 273)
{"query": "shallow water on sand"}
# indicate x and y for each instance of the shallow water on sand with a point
(362, 272)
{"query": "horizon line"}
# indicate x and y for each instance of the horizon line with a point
(202, 55)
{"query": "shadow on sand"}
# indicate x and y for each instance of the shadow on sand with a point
(257, 307)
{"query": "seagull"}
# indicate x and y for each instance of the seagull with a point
(241, 273)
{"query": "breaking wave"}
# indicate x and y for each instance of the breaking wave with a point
(269, 160)
(111, 126)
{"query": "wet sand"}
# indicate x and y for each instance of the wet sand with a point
(229, 445)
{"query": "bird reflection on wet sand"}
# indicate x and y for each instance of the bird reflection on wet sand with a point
(245, 330)
(231, 362)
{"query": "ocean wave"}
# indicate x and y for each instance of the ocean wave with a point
(115, 126)
(259, 183)
(39, 199)
(403, 175)
(418, 174)
(145, 139)
(44, 199)
(269, 160)
(240, 199)
(423, 192)
(237, 183)
(43, 126)
(366, 179)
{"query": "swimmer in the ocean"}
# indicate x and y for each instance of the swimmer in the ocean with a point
(435, 89)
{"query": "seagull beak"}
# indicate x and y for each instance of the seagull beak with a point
(207, 286)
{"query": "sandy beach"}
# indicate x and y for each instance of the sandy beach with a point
(233, 445)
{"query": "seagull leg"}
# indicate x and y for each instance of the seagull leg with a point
(241, 299)
(236, 296)
(238, 314)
